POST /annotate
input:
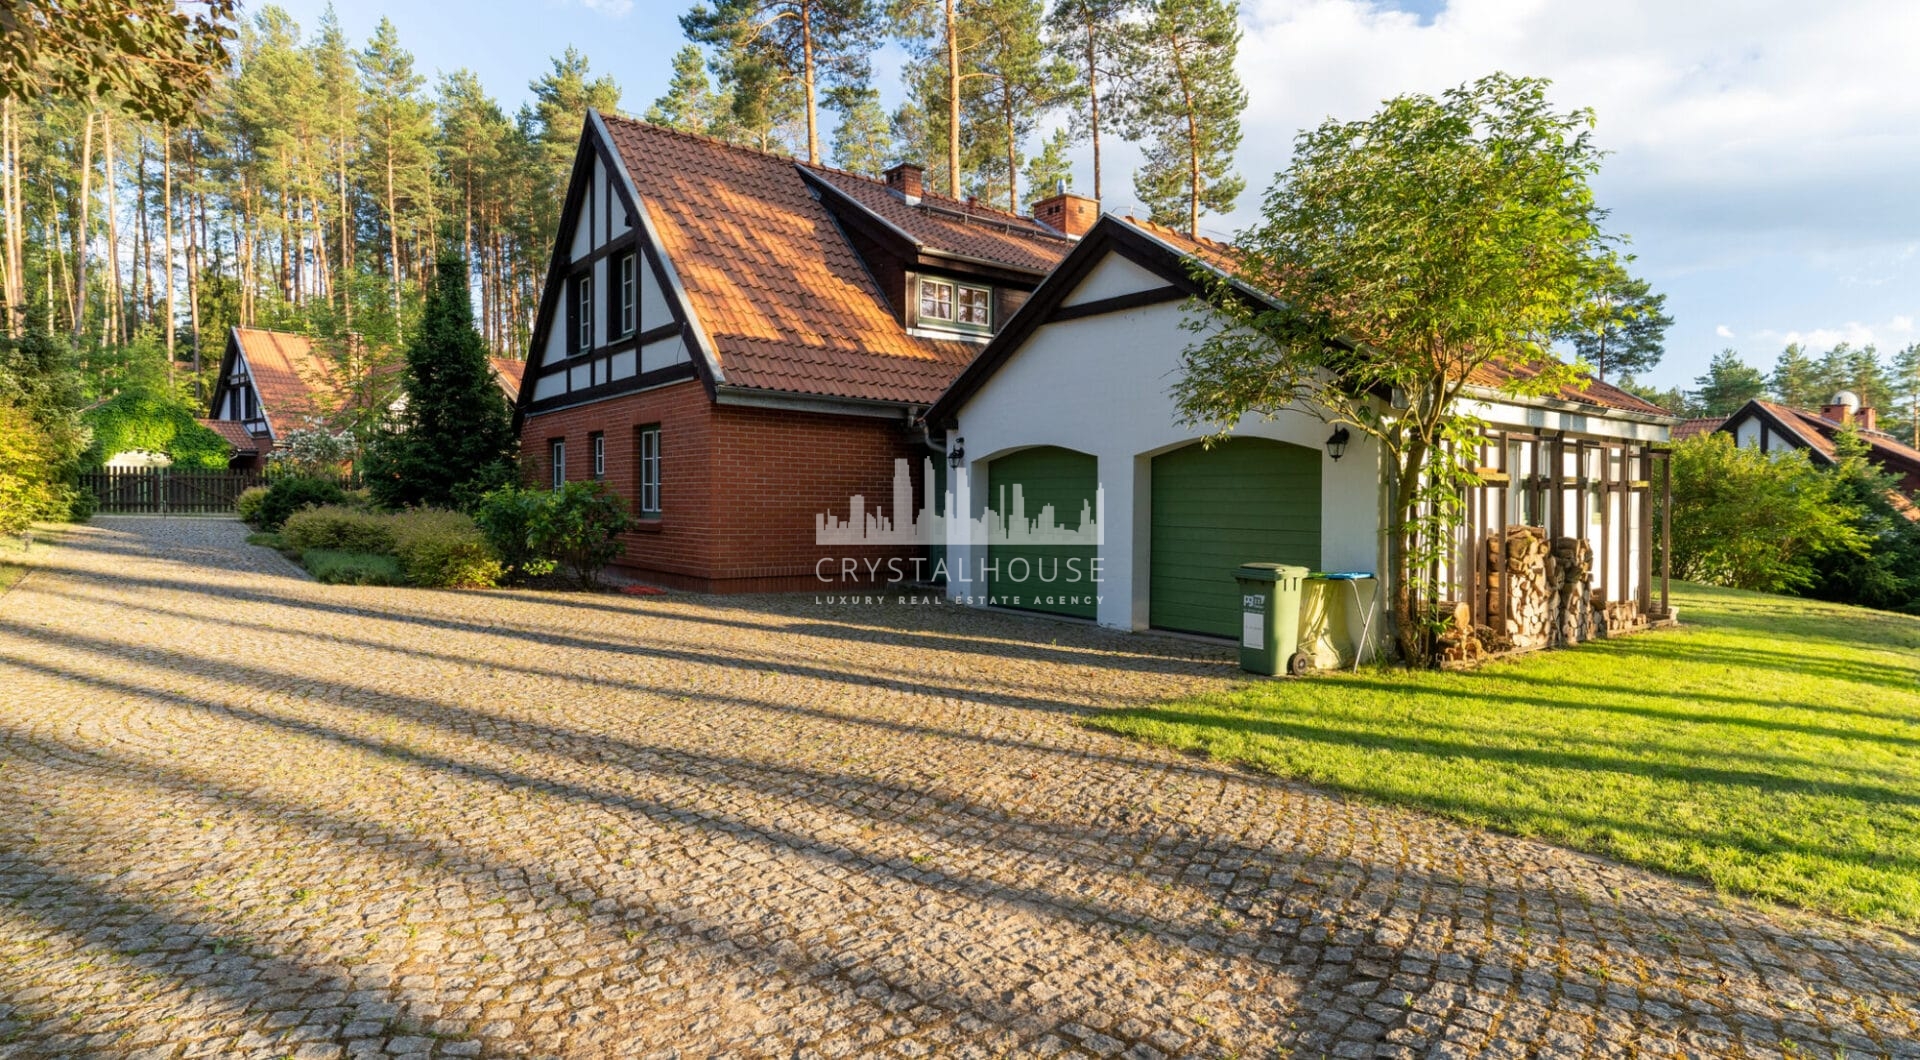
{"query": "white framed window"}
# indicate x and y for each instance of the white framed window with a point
(583, 310)
(557, 452)
(649, 446)
(956, 304)
(599, 456)
(629, 315)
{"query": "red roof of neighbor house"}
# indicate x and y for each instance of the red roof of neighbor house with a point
(234, 432)
(950, 226)
(293, 380)
(1686, 429)
(507, 371)
(1226, 258)
(1817, 432)
(783, 298)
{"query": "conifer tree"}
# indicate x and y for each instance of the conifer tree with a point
(944, 36)
(1793, 379)
(1622, 328)
(1019, 79)
(770, 45)
(397, 130)
(690, 103)
(1049, 171)
(1090, 34)
(1184, 102)
(862, 143)
(1729, 383)
(455, 429)
(1903, 383)
(561, 98)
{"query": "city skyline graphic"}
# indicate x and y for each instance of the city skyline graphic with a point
(1005, 521)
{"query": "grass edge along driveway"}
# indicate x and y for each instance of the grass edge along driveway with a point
(1770, 747)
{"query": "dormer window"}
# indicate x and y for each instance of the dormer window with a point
(944, 303)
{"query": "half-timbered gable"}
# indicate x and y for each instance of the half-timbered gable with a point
(270, 384)
(724, 339)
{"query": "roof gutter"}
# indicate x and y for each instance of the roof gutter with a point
(796, 401)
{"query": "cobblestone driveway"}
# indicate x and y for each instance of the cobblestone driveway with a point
(247, 815)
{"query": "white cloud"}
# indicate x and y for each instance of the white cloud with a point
(610, 8)
(1853, 333)
(1723, 331)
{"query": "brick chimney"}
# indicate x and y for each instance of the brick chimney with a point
(905, 179)
(1074, 215)
(1845, 408)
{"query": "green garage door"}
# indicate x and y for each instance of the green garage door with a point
(1246, 500)
(1036, 576)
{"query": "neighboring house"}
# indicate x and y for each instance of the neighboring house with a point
(1072, 403)
(738, 342)
(1773, 427)
(506, 372)
(271, 384)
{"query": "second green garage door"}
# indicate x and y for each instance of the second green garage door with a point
(1057, 578)
(1246, 500)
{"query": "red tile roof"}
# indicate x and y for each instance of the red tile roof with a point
(507, 372)
(1817, 431)
(234, 432)
(783, 298)
(1226, 258)
(295, 382)
(948, 225)
(1686, 429)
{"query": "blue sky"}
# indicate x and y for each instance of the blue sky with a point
(1765, 153)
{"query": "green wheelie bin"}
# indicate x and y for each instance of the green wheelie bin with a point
(1270, 618)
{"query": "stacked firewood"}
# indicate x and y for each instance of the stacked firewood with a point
(1521, 564)
(1623, 616)
(1570, 578)
(1462, 641)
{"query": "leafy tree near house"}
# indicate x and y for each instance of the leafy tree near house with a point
(454, 429)
(1754, 520)
(1363, 305)
(1622, 329)
(1885, 572)
(1184, 101)
(1729, 383)
(42, 440)
(158, 57)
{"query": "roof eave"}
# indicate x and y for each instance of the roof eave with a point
(1541, 401)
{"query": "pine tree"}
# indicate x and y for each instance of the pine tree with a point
(1185, 101)
(1793, 380)
(862, 142)
(1728, 384)
(1903, 382)
(690, 103)
(454, 429)
(1049, 171)
(397, 132)
(944, 36)
(1090, 34)
(339, 128)
(817, 45)
(1019, 79)
(1866, 378)
(553, 120)
(1623, 327)
(473, 130)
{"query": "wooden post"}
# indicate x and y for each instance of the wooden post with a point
(1666, 533)
(1645, 511)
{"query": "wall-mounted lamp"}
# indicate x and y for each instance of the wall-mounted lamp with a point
(958, 454)
(1337, 444)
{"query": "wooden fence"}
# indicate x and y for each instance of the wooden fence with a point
(165, 491)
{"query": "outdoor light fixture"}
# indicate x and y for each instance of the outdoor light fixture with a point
(958, 454)
(1337, 444)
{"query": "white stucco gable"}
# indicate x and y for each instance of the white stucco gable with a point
(1112, 277)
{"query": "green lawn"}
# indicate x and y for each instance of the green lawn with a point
(1772, 747)
(10, 572)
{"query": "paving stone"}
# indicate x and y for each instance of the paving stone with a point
(252, 815)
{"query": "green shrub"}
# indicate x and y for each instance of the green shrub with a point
(156, 420)
(507, 516)
(288, 495)
(247, 505)
(351, 568)
(579, 527)
(340, 529)
(443, 550)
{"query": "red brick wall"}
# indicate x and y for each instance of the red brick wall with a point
(739, 486)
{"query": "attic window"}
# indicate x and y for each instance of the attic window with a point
(960, 305)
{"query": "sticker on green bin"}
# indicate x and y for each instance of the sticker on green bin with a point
(1253, 620)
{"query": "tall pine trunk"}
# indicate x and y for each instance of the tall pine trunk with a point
(1093, 104)
(807, 75)
(116, 306)
(83, 228)
(953, 104)
(166, 259)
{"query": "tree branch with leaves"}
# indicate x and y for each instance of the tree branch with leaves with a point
(1400, 261)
